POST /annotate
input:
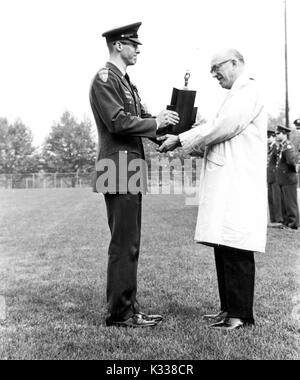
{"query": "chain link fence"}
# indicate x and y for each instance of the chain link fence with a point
(45, 180)
(161, 178)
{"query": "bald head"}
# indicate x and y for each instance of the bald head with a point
(226, 66)
(225, 54)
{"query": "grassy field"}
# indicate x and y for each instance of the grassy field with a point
(53, 254)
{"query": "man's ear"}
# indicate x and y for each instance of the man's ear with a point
(119, 46)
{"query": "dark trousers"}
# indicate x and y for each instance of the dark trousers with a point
(236, 280)
(274, 198)
(290, 209)
(124, 219)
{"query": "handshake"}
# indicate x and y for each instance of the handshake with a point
(164, 119)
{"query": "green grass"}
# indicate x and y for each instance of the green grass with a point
(53, 254)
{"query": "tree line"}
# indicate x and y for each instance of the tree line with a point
(70, 147)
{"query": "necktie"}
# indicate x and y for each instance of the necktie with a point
(128, 79)
(126, 76)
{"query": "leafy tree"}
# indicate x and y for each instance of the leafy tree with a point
(17, 153)
(70, 146)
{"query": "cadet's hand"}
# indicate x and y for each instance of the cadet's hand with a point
(166, 118)
(171, 142)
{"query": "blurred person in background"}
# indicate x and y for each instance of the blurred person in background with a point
(274, 195)
(287, 178)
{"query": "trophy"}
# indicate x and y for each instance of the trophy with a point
(183, 102)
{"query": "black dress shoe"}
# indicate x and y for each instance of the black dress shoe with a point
(218, 316)
(289, 228)
(151, 317)
(229, 324)
(135, 321)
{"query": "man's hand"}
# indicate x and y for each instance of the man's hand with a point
(171, 142)
(166, 118)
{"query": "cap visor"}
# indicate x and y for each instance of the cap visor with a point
(134, 40)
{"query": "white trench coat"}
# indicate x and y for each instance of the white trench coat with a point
(233, 186)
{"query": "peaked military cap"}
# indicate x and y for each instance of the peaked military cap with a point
(284, 129)
(297, 123)
(127, 32)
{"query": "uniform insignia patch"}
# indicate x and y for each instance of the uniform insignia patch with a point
(103, 75)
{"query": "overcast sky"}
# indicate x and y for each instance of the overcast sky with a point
(51, 49)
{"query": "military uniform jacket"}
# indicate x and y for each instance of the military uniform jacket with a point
(286, 165)
(272, 163)
(121, 123)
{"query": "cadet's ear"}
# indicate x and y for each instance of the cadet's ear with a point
(118, 46)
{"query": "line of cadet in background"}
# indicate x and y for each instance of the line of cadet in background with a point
(283, 177)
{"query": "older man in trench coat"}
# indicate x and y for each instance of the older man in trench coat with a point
(233, 193)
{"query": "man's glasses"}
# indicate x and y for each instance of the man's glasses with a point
(216, 68)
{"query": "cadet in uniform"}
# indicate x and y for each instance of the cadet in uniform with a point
(296, 141)
(287, 178)
(274, 197)
(122, 122)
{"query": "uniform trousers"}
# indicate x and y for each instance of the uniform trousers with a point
(124, 219)
(274, 198)
(236, 281)
(290, 209)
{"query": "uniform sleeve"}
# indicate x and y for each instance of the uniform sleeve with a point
(109, 104)
(146, 114)
(236, 115)
(291, 156)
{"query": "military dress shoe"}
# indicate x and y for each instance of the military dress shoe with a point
(218, 316)
(135, 321)
(229, 324)
(288, 228)
(151, 317)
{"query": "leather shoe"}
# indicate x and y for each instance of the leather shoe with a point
(135, 321)
(220, 315)
(151, 317)
(288, 228)
(229, 324)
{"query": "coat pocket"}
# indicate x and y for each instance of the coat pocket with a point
(215, 160)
